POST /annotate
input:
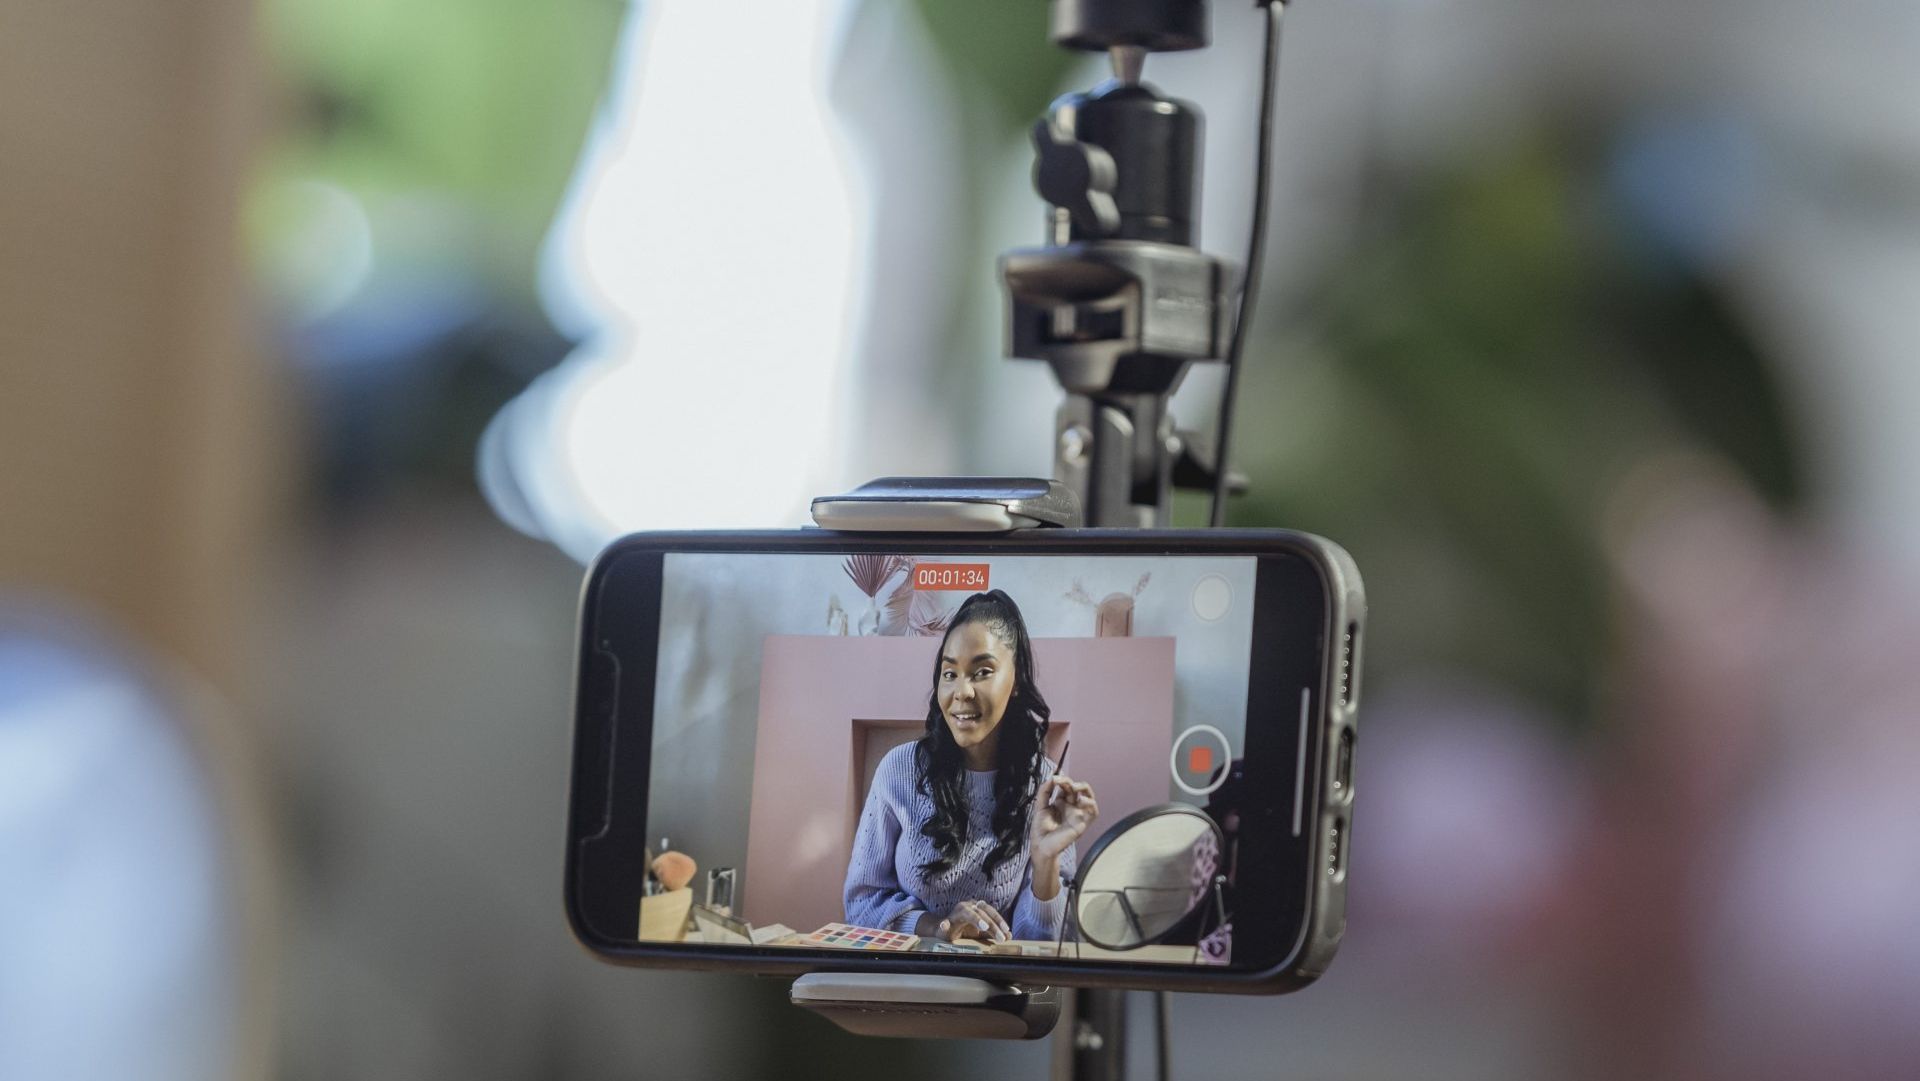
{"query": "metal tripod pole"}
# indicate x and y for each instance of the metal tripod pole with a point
(1092, 1043)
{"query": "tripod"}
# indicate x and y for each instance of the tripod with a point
(1118, 302)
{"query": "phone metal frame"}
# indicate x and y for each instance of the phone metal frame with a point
(1337, 696)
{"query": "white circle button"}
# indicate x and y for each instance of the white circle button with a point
(1212, 598)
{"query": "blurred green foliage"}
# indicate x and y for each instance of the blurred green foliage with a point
(999, 54)
(479, 108)
(1460, 398)
(476, 106)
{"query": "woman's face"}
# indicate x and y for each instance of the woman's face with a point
(975, 681)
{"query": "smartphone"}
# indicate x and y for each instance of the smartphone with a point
(1101, 758)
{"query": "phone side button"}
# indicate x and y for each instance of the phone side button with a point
(600, 705)
(1342, 789)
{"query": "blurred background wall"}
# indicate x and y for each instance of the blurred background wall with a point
(137, 415)
(141, 457)
(333, 334)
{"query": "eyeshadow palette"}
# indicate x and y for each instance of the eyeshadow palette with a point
(843, 936)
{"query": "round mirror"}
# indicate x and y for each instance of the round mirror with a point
(1145, 875)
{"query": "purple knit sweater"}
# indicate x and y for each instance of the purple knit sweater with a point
(885, 886)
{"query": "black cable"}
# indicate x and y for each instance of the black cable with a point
(1256, 246)
(1160, 1026)
(1243, 318)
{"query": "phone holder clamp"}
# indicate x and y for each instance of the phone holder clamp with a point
(923, 1007)
(950, 505)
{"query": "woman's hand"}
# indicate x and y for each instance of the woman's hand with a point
(1062, 812)
(976, 920)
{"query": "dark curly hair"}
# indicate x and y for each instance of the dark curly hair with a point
(939, 766)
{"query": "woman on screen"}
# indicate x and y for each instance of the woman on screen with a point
(967, 832)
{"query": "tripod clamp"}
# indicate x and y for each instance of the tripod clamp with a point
(925, 1006)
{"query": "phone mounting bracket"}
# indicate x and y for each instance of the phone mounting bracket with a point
(949, 505)
(927, 1006)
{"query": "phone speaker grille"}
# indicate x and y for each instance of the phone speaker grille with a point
(1348, 645)
(1337, 850)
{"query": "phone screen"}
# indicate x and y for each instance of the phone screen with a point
(1097, 757)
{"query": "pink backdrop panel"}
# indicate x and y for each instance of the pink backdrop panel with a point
(1116, 694)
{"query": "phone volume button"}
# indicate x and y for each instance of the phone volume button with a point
(600, 707)
(603, 685)
(1342, 787)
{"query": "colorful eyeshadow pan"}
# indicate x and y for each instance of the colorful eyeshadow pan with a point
(861, 938)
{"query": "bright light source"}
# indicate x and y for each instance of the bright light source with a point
(707, 254)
